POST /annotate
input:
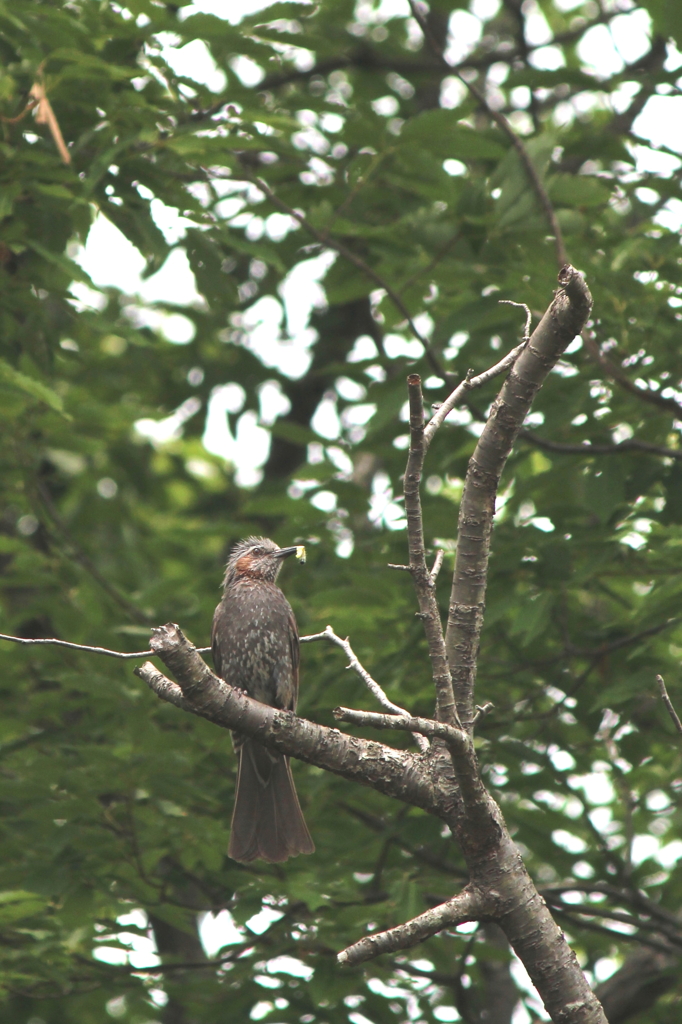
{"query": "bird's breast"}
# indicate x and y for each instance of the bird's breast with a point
(252, 634)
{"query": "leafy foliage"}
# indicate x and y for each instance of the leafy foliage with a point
(112, 802)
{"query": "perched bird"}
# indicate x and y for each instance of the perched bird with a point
(255, 648)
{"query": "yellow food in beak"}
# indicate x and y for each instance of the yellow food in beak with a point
(300, 554)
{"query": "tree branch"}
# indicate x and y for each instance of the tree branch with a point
(617, 374)
(455, 738)
(424, 583)
(369, 682)
(466, 906)
(468, 384)
(564, 319)
(588, 448)
(397, 773)
(78, 647)
(668, 703)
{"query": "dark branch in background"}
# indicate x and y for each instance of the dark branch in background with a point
(619, 375)
(588, 448)
(564, 319)
(324, 238)
(669, 704)
(502, 123)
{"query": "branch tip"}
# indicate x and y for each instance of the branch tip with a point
(669, 704)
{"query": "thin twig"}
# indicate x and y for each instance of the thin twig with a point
(592, 926)
(45, 115)
(469, 384)
(668, 703)
(77, 647)
(529, 315)
(85, 647)
(596, 911)
(19, 117)
(367, 679)
(437, 564)
(502, 123)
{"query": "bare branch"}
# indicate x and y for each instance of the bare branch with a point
(502, 123)
(355, 664)
(564, 319)
(668, 703)
(424, 583)
(77, 647)
(481, 711)
(466, 906)
(455, 738)
(437, 564)
(397, 773)
(163, 687)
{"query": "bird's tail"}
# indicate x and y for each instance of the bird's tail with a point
(267, 822)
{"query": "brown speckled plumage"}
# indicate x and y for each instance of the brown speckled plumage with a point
(255, 648)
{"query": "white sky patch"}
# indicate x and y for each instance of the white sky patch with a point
(325, 421)
(193, 60)
(261, 921)
(233, 11)
(142, 948)
(464, 33)
(661, 122)
(217, 931)
(537, 31)
(217, 438)
(110, 259)
(170, 222)
(160, 432)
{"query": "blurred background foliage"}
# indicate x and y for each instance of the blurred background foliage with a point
(115, 515)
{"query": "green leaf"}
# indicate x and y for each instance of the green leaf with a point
(30, 386)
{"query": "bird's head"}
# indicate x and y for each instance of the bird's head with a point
(258, 558)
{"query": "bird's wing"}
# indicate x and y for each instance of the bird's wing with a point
(295, 649)
(215, 646)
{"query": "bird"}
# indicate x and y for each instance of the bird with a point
(255, 647)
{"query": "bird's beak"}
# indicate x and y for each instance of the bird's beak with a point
(298, 550)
